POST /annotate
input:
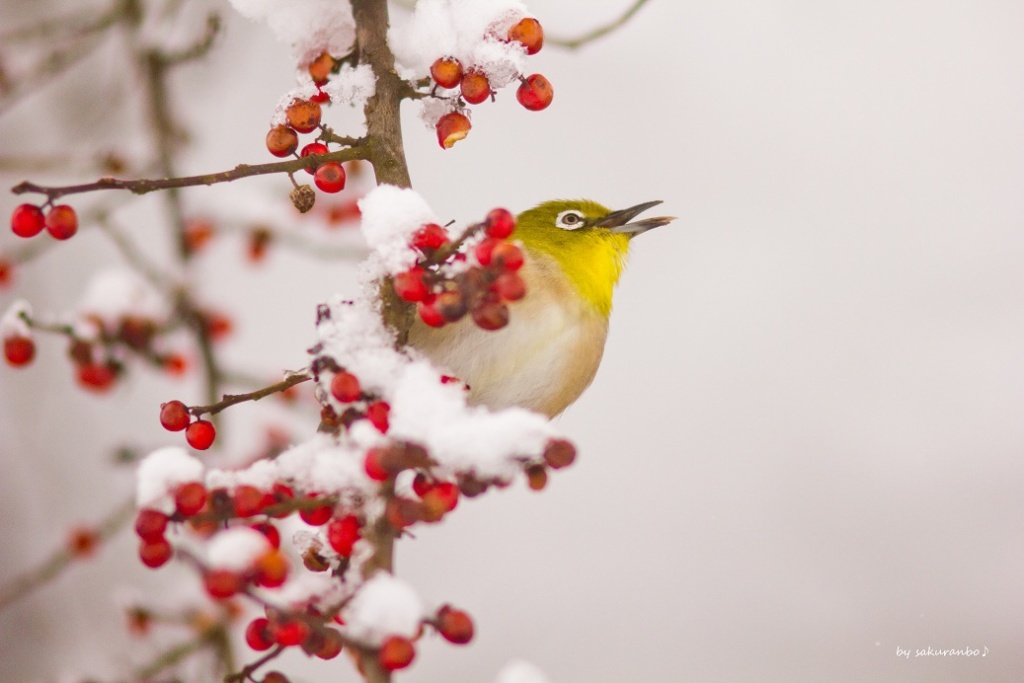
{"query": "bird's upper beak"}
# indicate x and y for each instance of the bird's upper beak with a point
(619, 221)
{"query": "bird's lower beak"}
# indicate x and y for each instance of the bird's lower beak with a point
(619, 221)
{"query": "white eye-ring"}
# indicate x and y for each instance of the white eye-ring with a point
(570, 219)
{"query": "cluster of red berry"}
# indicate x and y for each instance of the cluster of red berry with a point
(534, 93)
(28, 220)
(482, 290)
(175, 417)
(304, 117)
(98, 361)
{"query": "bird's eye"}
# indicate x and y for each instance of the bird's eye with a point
(570, 219)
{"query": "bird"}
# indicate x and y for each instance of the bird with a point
(549, 353)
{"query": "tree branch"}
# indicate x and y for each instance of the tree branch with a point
(36, 577)
(233, 399)
(575, 43)
(145, 186)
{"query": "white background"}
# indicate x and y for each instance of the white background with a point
(803, 448)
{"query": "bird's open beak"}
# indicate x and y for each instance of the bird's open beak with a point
(619, 221)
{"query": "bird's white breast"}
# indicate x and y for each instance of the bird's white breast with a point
(542, 360)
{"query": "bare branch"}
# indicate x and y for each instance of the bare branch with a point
(575, 43)
(145, 186)
(38, 576)
(233, 399)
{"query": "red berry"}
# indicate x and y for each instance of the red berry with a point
(451, 128)
(490, 315)
(429, 237)
(430, 315)
(321, 97)
(535, 93)
(282, 141)
(290, 632)
(510, 287)
(331, 645)
(248, 500)
(275, 677)
(61, 222)
(190, 498)
(475, 87)
(313, 148)
(444, 495)
(377, 413)
(321, 67)
(150, 524)
(175, 365)
(222, 583)
(446, 72)
(342, 534)
(96, 377)
(271, 569)
(559, 453)
(537, 477)
(330, 177)
(27, 220)
(529, 34)
(374, 469)
(317, 516)
(303, 115)
(484, 250)
(421, 484)
(257, 634)
(200, 434)
(174, 416)
(455, 625)
(345, 387)
(197, 233)
(6, 272)
(270, 531)
(500, 223)
(19, 350)
(507, 256)
(396, 652)
(409, 285)
(155, 553)
(82, 541)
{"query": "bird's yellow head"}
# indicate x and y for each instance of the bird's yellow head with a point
(588, 241)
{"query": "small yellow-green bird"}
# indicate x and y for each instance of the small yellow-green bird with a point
(549, 352)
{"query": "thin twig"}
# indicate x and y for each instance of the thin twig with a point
(574, 43)
(249, 669)
(145, 186)
(28, 581)
(200, 48)
(233, 399)
(211, 637)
